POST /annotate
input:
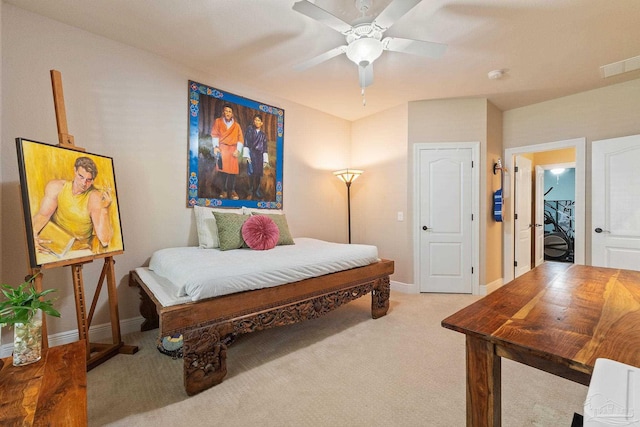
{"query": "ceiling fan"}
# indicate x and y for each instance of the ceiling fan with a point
(364, 39)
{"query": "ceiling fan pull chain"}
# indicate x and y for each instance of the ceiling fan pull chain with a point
(364, 100)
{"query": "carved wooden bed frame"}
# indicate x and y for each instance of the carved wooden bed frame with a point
(210, 325)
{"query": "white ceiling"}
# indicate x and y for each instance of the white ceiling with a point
(549, 48)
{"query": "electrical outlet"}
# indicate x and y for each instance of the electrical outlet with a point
(400, 216)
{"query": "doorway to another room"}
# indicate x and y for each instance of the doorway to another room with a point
(559, 202)
(519, 259)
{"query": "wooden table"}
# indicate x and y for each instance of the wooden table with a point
(558, 318)
(50, 392)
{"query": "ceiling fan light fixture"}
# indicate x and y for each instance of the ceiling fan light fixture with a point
(364, 51)
(364, 37)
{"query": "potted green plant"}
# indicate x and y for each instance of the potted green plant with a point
(22, 307)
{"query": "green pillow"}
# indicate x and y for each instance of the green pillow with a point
(283, 227)
(230, 230)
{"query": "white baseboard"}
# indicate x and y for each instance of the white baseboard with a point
(490, 287)
(405, 288)
(102, 333)
(410, 288)
(98, 333)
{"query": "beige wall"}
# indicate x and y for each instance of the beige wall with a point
(379, 147)
(566, 155)
(386, 188)
(493, 247)
(130, 105)
(608, 112)
(458, 120)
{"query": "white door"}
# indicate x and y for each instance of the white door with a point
(522, 217)
(615, 195)
(539, 223)
(445, 211)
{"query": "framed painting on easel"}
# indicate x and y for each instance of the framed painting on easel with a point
(70, 204)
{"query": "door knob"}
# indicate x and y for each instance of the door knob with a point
(425, 228)
(600, 230)
(538, 225)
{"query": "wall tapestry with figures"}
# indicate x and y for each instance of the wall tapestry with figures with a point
(235, 150)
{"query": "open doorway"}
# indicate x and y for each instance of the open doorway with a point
(558, 206)
(579, 144)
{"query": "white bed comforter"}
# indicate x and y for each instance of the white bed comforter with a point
(205, 273)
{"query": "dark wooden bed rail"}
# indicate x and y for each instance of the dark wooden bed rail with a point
(209, 326)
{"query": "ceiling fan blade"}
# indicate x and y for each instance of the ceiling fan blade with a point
(394, 11)
(320, 58)
(414, 47)
(319, 14)
(365, 75)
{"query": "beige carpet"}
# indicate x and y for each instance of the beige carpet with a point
(344, 369)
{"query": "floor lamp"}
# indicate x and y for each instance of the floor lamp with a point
(348, 176)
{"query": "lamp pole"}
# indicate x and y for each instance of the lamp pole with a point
(348, 176)
(349, 208)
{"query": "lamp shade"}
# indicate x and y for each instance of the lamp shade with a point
(348, 175)
(364, 51)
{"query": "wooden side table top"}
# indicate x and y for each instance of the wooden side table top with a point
(52, 391)
(558, 318)
(568, 314)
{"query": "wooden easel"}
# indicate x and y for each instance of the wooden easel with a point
(96, 352)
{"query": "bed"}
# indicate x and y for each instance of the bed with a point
(209, 321)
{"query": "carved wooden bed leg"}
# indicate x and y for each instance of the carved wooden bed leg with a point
(148, 311)
(380, 297)
(205, 356)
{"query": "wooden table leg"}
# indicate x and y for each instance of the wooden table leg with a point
(483, 384)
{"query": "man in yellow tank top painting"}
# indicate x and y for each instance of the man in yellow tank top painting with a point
(78, 208)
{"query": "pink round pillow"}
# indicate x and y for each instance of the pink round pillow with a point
(260, 232)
